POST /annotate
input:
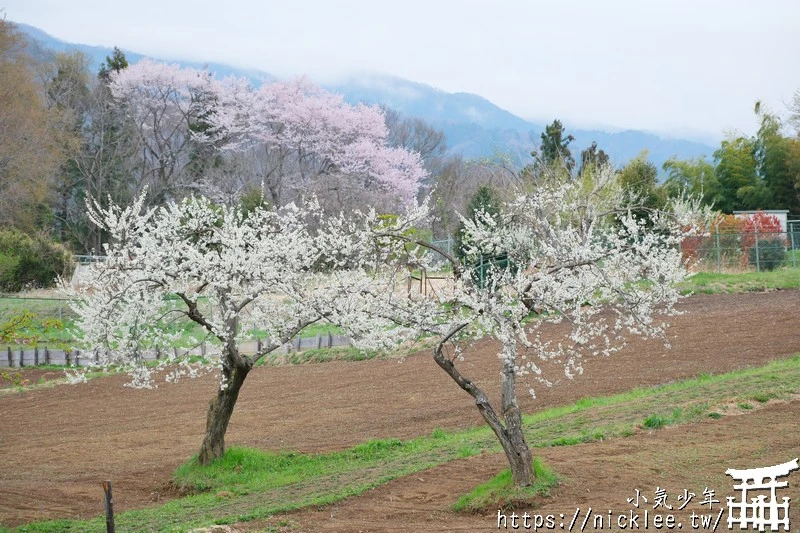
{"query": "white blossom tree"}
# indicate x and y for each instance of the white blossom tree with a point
(229, 271)
(568, 252)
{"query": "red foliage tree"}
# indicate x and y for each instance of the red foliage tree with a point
(763, 226)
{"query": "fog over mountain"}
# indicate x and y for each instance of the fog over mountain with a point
(474, 126)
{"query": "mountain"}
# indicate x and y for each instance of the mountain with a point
(478, 128)
(474, 126)
(97, 55)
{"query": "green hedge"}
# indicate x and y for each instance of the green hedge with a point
(30, 261)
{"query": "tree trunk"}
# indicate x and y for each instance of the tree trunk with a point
(220, 410)
(517, 450)
(510, 435)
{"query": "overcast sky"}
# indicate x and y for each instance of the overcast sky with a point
(687, 67)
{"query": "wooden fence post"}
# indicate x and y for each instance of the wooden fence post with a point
(109, 505)
(21, 357)
(10, 358)
(330, 340)
(46, 356)
(77, 360)
(319, 341)
(35, 356)
(67, 357)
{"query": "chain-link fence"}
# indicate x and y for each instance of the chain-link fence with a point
(725, 251)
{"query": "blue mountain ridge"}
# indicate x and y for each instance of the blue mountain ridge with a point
(474, 126)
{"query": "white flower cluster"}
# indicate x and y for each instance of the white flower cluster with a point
(228, 272)
(574, 253)
(569, 253)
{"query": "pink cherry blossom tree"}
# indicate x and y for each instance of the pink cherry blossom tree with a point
(200, 134)
(307, 139)
(164, 104)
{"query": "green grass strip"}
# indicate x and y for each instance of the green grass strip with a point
(713, 283)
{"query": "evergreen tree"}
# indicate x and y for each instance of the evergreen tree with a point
(773, 156)
(114, 63)
(555, 146)
(740, 185)
(592, 159)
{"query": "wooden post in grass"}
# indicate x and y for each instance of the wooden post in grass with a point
(67, 355)
(330, 340)
(21, 357)
(109, 504)
(319, 341)
(35, 356)
(10, 358)
(46, 356)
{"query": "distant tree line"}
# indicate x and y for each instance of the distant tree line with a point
(68, 134)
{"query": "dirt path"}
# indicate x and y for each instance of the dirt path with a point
(59, 444)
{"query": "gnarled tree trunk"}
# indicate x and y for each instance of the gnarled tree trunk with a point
(510, 435)
(220, 410)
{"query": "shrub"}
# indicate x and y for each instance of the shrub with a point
(766, 226)
(722, 245)
(30, 261)
(656, 422)
(769, 254)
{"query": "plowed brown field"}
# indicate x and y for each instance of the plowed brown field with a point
(58, 444)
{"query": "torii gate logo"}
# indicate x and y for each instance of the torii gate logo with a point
(759, 512)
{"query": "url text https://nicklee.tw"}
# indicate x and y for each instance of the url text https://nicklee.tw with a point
(591, 520)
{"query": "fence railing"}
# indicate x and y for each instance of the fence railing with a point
(722, 251)
(87, 259)
(23, 356)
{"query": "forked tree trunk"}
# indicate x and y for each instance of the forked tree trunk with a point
(510, 435)
(513, 440)
(220, 410)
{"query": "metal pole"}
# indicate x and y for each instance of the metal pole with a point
(791, 238)
(758, 259)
